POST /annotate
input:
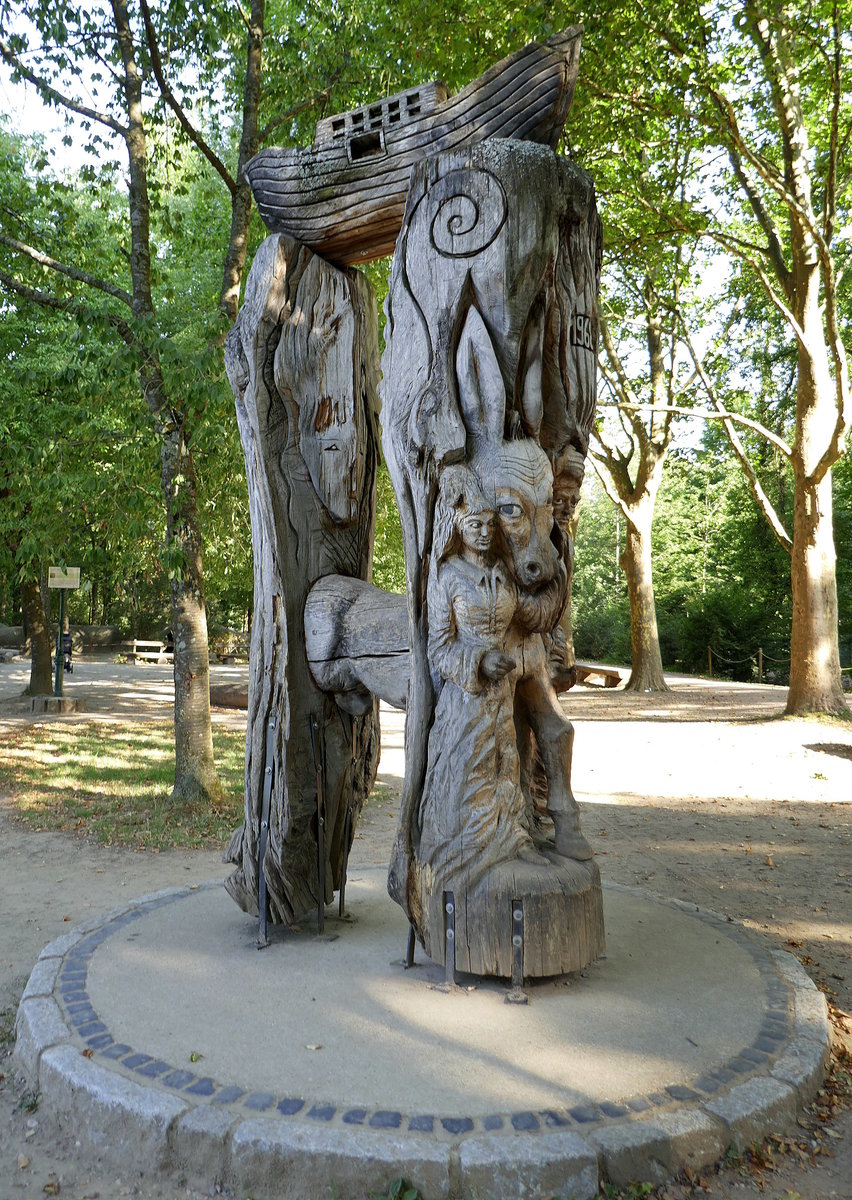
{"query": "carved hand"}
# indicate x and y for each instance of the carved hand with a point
(495, 665)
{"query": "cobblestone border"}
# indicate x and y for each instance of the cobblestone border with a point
(133, 1106)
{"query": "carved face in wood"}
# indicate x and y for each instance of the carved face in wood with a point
(328, 438)
(477, 530)
(517, 480)
(319, 345)
(568, 472)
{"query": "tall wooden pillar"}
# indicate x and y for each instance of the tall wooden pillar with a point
(488, 391)
(302, 360)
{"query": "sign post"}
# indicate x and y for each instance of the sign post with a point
(62, 580)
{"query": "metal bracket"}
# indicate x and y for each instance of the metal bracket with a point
(409, 950)
(449, 940)
(263, 839)
(347, 826)
(517, 995)
(347, 836)
(318, 747)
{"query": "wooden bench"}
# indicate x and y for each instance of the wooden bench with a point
(141, 651)
(230, 650)
(596, 676)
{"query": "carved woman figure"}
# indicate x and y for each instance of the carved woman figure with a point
(473, 810)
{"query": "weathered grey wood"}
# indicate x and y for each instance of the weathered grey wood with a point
(303, 363)
(488, 390)
(345, 195)
(356, 639)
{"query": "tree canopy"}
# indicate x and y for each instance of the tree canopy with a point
(719, 140)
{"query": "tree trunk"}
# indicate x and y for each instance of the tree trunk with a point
(302, 359)
(38, 628)
(646, 673)
(195, 776)
(815, 684)
(195, 772)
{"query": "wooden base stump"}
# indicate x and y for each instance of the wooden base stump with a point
(562, 922)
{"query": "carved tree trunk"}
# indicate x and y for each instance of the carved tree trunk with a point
(303, 363)
(488, 391)
(38, 630)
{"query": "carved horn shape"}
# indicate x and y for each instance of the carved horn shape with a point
(482, 394)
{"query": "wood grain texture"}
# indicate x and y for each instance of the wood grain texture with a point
(356, 638)
(488, 397)
(302, 360)
(345, 196)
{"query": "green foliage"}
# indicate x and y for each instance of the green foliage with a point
(86, 472)
(633, 1191)
(721, 579)
(398, 1190)
(388, 558)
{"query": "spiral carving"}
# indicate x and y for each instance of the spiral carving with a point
(471, 211)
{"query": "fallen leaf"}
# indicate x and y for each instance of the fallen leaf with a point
(51, 1188)
(767, 862)
(23, 1162)
(195, 1056)
(88, 1052)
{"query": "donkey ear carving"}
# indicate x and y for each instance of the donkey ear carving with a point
(482, 393)
(531, 400)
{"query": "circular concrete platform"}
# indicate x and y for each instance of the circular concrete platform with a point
(321, 1066)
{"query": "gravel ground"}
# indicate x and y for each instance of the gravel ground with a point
(704, 794)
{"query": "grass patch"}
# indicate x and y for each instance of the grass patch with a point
(7, 1029)
(111, 783)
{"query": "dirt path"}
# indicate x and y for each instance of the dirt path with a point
(699, 794)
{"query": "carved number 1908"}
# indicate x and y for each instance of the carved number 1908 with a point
(582, 332)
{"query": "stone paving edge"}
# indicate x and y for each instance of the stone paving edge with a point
(127, 1121)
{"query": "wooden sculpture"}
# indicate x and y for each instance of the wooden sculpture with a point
(345, 195)
(489, 396)
(303, 363)
(488, 386)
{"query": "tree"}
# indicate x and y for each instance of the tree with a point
(636, 494)
(137, 327)
(765, 86)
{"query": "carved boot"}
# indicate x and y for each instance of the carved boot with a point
(570, 842)
(561, 806)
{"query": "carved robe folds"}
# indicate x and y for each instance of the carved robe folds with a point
(488, 386)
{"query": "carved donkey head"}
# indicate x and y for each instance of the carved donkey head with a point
(515, 476)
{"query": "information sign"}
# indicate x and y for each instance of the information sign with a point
(57, 578)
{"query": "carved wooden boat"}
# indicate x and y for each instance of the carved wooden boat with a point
(345, 195)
